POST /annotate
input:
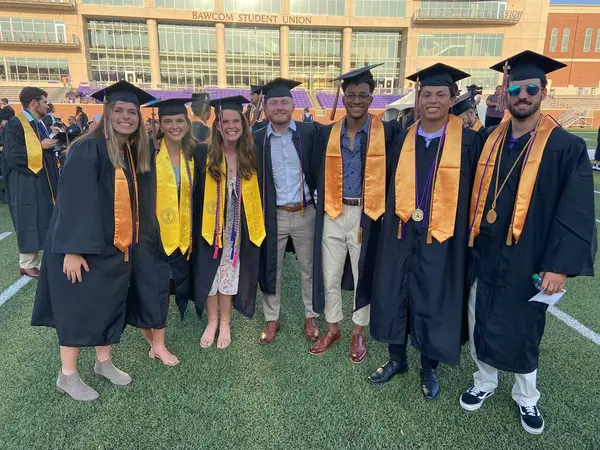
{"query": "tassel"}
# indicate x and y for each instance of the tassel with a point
(400, 230)
(337, 97)
(216, 252)
(417, 90)
(104, 116)
(502, 103)
(235, 258)
(360, 235)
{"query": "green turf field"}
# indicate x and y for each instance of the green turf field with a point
(278, 396)
(589, 135)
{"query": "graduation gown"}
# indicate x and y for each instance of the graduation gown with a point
(204, 267)
(370, 232)
(420, 285)
(260, 124)
(559, 236)
(200, 131)
(306, 134)
(92, 312)
(152, 268)
(29, 195)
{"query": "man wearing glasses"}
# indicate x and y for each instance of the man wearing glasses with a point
(350, 157)
(532, 213)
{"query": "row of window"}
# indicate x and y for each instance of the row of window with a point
(16, 29)
(452, 45)
(362, 8)
(33, 69)
(564, 46)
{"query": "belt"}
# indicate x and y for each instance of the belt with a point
(294, 207)
(352, 201)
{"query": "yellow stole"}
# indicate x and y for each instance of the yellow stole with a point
(32, 145)
(445, 184)
(175, 222)
(124, 235)
(485, 172)
(213, 213)
(477, 125)
(373, 190)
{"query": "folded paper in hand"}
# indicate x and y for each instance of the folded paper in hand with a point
(550, 300)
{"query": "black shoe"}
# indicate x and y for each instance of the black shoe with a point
(386, 372)
(531, 419)
(429, 383)
(473, 398)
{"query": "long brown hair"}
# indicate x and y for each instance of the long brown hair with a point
(246, 163)
(138, 140)
(188, 142)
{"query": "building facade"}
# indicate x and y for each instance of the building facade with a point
(187, 44)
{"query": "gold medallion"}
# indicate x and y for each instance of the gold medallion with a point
(418, 215)
(491, 216)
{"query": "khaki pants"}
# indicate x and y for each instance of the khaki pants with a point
(524, 391)
(340, 236)
(301, 227)
(29, 260)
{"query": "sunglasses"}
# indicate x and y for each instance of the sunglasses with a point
(531, 89)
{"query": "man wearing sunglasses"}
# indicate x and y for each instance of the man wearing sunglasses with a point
(350, 158)
(532, 212)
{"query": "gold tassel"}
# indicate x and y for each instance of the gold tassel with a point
(501, 105)
(337, 96)
(400, 229)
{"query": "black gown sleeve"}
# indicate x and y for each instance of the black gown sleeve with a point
(78, 227)
(571, 243)
(15, 151)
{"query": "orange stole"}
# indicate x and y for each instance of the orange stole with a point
(445, 182)
(485, 171)
(477, 125)
(373, 190)
(123, 236)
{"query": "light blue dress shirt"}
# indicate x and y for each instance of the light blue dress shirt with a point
(430, 136)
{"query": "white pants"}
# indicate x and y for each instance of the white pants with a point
(524, 391)
(29, 260)
(340, 237)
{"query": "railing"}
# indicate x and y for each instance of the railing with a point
(69, 3)
(467, 15)
(32, 37)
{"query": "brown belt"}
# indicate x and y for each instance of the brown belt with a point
(295, 207)
(352, 201)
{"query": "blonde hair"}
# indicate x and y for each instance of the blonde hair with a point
(138, 140)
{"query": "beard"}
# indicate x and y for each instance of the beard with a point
(520, 114)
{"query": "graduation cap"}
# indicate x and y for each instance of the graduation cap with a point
(279, 87)
(170, 107)
(527, 65)
(235, 103)
(256, 89)
(463, 103)
(123, 91)
(438, 75)
(357, 76)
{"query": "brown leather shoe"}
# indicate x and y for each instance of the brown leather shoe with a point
(311, 329)
(269, 332)
(324, 343)
(358, 349)
(31, 273)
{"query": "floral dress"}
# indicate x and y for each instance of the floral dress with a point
(227, 277)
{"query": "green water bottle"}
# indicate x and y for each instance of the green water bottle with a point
(537, 281)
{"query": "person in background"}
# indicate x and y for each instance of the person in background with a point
(465, 108)
(492, 116)
(597, 153)
(31, 172)
(200, 116)
(73, 127)
(82, 118)
(255, 113)
(50, 119)
(6, 112)
(407, 118)
(86, 268)
(92, 124)
(307, 117)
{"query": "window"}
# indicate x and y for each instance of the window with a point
(252, 55)
(318, 7)
(553, 39)
(315, 57)
(15, 29)
(205, 5)
(379, 8)
(378, 47)
(565, 40)
(453, 45)
(588, 40)
(188, 56)
(114, 2)
(34, 69)
(253, 6)
(119, 51)
(598, 42)
(462, 10)
(486, 78)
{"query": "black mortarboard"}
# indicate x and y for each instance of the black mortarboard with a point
(463, 103)
(235, 103)
(256, 89)
(170, 107)
(279, 87)
(438, 75)
(527, 65)
(200, 96)
(357, 76)
(123, 91)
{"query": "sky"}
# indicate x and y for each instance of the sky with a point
(575, 2)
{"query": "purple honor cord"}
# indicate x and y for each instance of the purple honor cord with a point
(237, 195)
(422, 204)
(217, 221)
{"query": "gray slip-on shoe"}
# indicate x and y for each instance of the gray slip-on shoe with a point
(74, 387)
(108, 370)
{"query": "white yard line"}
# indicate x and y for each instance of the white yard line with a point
(596, 192)
(14, 288)
(576, 325)
(5, 235)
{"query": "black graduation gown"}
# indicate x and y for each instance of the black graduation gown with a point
(200, 131)
(420, 285)
(559, 236)
(370, 232)
(29, 195)
(268, 255)
(92, 312)
(204, 267)
(151, 270)
(259, 125)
